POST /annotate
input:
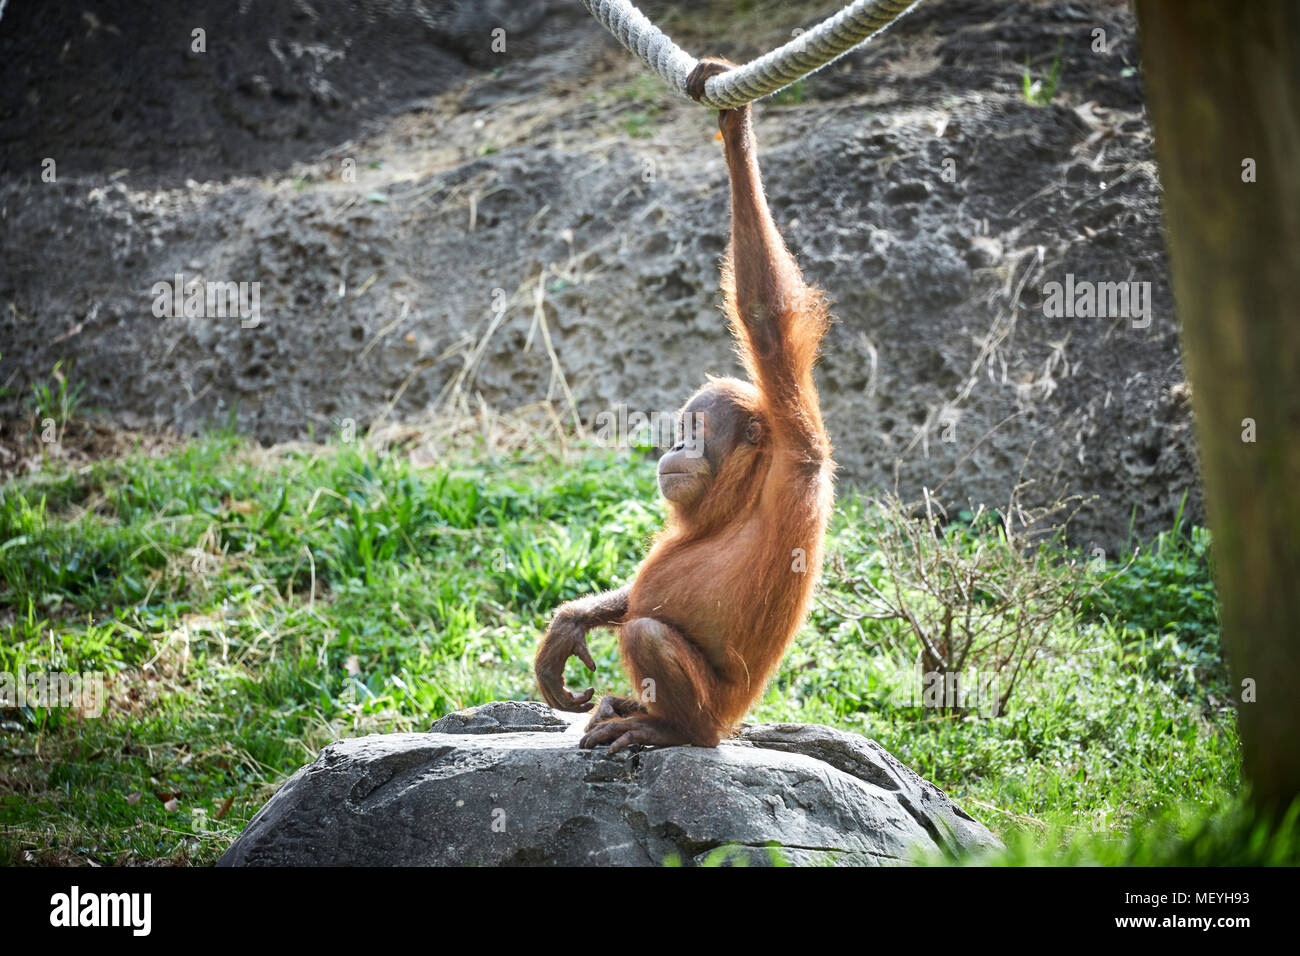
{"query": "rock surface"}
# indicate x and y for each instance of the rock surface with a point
(913, 181)
(505, 784)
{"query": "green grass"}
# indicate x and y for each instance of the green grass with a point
(637, 104)
(249, 606)
(1184, 835)
(1041, 92)
(794, 94)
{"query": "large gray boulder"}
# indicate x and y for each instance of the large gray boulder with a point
(505, 784)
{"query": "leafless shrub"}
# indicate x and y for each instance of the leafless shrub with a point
(980, 595)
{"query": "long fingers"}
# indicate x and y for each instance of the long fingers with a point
(581, 702)
(634, 736)
(583, 654)
(704, 69)
(562, 699)
(604, 733)
(561, 642)
(551, 683)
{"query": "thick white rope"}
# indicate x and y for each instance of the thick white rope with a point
(806, 53)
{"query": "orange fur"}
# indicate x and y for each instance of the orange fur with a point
(721, 573)
(728, 581)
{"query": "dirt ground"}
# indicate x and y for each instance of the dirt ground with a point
(545, 222)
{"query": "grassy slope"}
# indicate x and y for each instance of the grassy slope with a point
(430, 589)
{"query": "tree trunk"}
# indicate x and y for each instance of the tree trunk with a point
(1223, 84)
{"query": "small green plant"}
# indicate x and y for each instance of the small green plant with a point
(644, 96)
(645, 89)
(985, 592)
(728, 854)
(639, 125)
(55, 405)
(1042, 92)
(793, 94)
(1167, 586)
